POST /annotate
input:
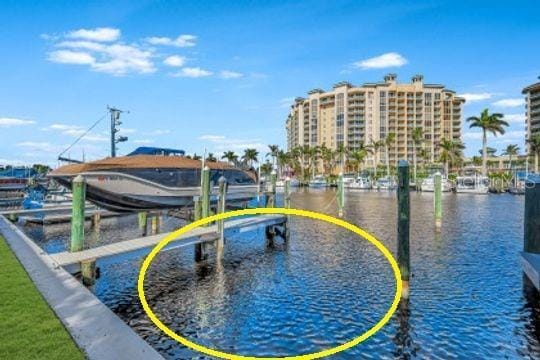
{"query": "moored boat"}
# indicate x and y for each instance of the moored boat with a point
(318, 181)
(472, 184)
(361, 183)
(140, 181)
(428, 184)
(385, 183)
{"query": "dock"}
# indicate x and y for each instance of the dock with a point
(65, 218)
(196, 236)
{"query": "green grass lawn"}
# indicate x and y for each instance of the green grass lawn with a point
(29, 329)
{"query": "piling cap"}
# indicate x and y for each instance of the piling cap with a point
(273, 172)
(206, 168)
(288, 178)
(403, 163)
(78, 179)
(222, 179)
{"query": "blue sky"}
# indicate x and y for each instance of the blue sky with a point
(221, 74)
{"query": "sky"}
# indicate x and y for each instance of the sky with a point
(221, 75)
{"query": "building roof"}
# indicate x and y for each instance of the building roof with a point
(535, 86)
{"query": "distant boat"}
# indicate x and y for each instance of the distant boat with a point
(292, 183)
(16, 178)
(475, 184)
(348, 179)
(153, 178)
(361, 183)
(318, 181)
(385, 183)
(428, 184)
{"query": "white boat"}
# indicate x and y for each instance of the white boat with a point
(428, 184)
(318, 181)
(385, 183)
(292, 183)
(361, 183)
(144, 181)
(474, 184)
(348, 180)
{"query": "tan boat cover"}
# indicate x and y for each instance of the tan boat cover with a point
(140, 161)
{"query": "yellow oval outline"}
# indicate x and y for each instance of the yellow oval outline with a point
(256, 211)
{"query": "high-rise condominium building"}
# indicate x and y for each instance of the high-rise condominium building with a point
(532, 104)
(349, 116)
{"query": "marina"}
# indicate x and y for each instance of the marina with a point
(270, 180)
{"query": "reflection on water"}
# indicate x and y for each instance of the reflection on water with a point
(468, 297)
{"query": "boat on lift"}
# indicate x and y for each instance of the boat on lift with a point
(361, 183)
(153, 178)
(386, 183)
(472, 183)
(318, 181)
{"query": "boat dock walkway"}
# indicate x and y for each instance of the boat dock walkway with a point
(196, 236)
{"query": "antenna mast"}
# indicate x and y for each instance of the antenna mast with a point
(115, 122)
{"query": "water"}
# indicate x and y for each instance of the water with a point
(326, 286)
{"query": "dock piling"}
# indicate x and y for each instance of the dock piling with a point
(287, 204)
(202, 210)
(221, 209)
(403, 225)
(340, 195)
(271, 193)
(155, 224)
(531, 217)
(437, 182)
(77, 214)
(88, 271)
(143, 223)
(96, 220)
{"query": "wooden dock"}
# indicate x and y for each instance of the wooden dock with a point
(196, 236)
(65, 218)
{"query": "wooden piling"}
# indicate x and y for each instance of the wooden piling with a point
(531, 217)
(221, 209)
(96, 220)
(143, 223)
(437, 198)
(77, 214)
(205, 192)
(287, 205)
(340, 195)
(88, 272)
(197, 214)
(271, 193)
(155, 224)
(403, 225)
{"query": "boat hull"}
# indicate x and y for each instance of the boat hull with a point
(126, 193)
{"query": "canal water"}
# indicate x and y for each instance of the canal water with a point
(326, 286)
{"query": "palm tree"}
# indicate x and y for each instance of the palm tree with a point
(476, 160)
(490, 151)
(273, 153)
(451, 152)
(211, 158)
(510, 151)
(327, 155)
(417, 137)
(492, 123)
(534, 148)
(230, 156)
(250, 156)
(342, 152)
(358, 157)
(196, 157)
(282, 159)
(313, 159)
(389, 140)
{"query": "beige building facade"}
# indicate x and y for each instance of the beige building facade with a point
(352, 116)
(532, 114)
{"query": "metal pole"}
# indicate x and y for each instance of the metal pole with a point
(403, 225)
(437, 183)
(113, 131)
(77, 214)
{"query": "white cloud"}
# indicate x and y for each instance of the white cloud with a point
(213, 138)
(515, 102)
(112, 58)
(11, 122)
(175, 60)
(192, 72)
(180, 41)
(143, 141)
(104, 34)
(71, 57)
(474, 97)
(391, 59)
(226, 74)
(159, 132)
(222, 143)
(472, 135)
(514, 118)
(41, 146)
